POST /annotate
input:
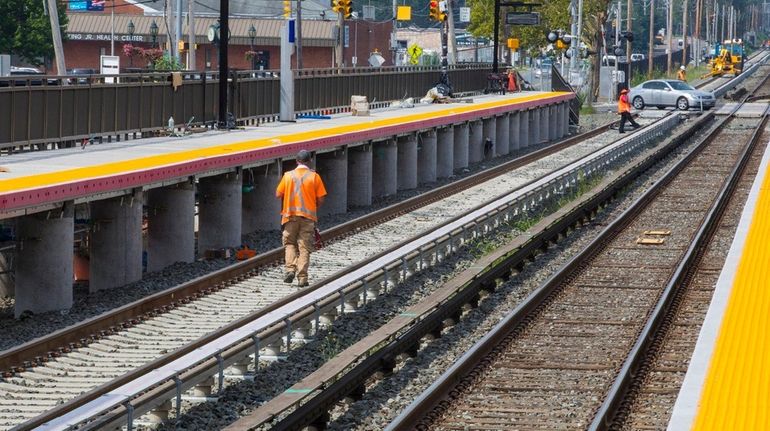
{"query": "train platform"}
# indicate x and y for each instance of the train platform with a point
(39, 178)
(727, 385)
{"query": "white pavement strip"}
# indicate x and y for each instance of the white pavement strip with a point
(29, 394)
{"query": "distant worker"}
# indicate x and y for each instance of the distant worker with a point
(302, 193)
(624, 109)
(682, 74)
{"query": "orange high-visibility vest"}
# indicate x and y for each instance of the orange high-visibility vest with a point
(681, 75)
(623, 105)
(299, 190)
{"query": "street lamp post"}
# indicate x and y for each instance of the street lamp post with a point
(252, 36)
(131, 29)
(154, 32)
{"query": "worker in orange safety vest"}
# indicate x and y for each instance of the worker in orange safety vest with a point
(302, 192)
(624, 109)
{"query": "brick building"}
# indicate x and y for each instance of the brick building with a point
(88, 35)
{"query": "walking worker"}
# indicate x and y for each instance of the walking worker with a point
(302, 193)
(624, 109)
(681, 74)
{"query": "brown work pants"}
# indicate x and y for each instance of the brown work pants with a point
(297, 240)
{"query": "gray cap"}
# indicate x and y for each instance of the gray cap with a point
(303, 156)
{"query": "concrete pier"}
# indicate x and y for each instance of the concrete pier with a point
(44, 261)
(407, 162)
(490, 135)
(513, 132)
(360, 175)
(333, 169)
(445, 153)
(503, 143)
(524, 135)
(219, 212)
(461, 146)
(426, 157)
(170, 225)
(476, 142)
(261, 209)
(385, 168)
(546, 132)
(116, 242)
(534, 127)
(565, 120)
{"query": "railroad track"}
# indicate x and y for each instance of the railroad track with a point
(554, 359)
(109, 355)
(141, 342)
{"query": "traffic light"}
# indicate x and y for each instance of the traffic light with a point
(436, 10)
(559, 38)
(286, 8)
(343, 7)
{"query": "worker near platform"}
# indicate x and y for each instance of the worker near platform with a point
(302, 193)
(682, 74)
(624, 109)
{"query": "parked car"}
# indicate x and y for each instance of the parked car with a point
(83, 75)
(669, 92)
(544, 68)
(637, 57)
(609, 60)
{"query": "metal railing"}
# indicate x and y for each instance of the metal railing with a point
(55, 109)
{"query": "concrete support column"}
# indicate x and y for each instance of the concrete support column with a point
(360, 175)
(555, 122)
(116, 242)
(333, 169)
(534, 127)
(524, 137)
(503, 142)
(385, 168)
(490, 133)
(445, 153)
(219, 211)
(545, 134)
(407, 162)
(565, 120)
(426, 157)
(476, 142)
(461, 146)
(170, 225)
(513, 132)
(44, 261)
(261, 209)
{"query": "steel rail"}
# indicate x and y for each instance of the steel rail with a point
(440, 389)
(38, 350)
(458, 291)
(237, 338)
(620, 387)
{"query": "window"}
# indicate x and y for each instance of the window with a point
(679, 85)
(654, 85)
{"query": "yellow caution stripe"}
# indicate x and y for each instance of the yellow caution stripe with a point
(736, 391)
(157, 161)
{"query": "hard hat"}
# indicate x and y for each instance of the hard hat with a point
(303, 156)
(681, 67)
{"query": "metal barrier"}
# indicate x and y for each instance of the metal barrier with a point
(56, 109)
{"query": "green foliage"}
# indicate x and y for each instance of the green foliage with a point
(25, 31)
(330, 346)
(167, 62)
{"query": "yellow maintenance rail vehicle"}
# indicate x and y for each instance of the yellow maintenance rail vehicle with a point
(728, 58)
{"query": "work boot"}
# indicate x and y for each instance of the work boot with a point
(303, 283)
(288, 277)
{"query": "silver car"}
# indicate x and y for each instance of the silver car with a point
(670, 92)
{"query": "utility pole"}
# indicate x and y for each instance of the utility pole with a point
(684, 33)
(224, 32)
(696, 49)
(496, 33)
(298, 42)
(629, 28)
(112, 28)
(650, 48)
(669, 33)
(340, 36)
(178, 29)
(191, 65)
(170, 21)
(58, 48)
(451, 23)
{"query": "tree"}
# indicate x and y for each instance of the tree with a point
(26, 31)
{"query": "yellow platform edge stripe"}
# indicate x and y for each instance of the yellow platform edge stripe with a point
(163, 160)
(736, 391)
